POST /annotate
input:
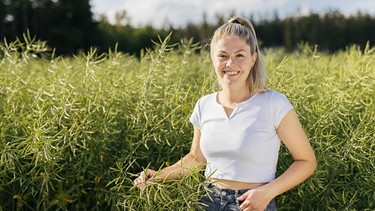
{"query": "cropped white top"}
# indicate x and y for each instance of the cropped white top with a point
(243, 147)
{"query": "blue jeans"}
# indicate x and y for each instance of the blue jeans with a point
(226, 199)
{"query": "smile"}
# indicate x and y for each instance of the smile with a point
(231, 72)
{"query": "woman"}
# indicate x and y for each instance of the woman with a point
(238, 130)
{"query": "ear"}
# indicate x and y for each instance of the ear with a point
(254, 57)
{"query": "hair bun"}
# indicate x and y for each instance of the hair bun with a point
(235, 21)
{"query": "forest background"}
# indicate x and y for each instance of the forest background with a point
(69, 27)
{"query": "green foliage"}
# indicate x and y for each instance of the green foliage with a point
(74, 132)
(334, 97)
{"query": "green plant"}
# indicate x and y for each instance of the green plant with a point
(74, 132)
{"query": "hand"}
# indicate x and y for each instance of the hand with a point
(144, 177)
(254, 199)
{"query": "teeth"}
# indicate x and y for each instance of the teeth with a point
(231, 73)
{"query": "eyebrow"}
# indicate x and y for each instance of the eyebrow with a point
(241, 50)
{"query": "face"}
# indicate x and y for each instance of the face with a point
(232, 61)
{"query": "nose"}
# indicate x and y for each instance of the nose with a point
(230, 62)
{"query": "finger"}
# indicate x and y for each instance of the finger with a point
(148, 173)
(137, 181)
(242, 197)
(245, 205)
(140, 183)
(142, 175)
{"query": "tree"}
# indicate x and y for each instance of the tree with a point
(71, 26)
(67, 25)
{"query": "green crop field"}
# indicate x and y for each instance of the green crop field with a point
(75, 131)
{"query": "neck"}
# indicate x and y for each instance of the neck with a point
(230, 97)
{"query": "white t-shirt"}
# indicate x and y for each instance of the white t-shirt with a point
(243, 147)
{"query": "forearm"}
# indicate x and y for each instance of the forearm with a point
(179, 169)
(298, 172)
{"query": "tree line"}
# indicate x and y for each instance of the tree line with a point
(69, 27)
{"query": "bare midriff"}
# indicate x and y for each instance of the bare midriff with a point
(234, 185)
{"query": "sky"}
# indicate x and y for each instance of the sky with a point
(160, 13)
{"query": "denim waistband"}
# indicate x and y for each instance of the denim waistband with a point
(225, 191)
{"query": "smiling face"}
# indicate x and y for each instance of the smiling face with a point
(233, 61)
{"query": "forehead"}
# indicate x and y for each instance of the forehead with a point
(231, 44)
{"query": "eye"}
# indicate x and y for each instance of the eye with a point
(222, 56)
(240, 56)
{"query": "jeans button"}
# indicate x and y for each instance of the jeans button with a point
(223, 193)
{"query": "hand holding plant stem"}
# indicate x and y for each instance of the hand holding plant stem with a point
(144, 177)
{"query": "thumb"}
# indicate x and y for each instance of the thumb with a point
(149, 174)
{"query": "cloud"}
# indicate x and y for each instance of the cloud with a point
(159, 12)
(181, 12)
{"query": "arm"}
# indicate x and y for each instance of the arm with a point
(291, 133)
(193, 160)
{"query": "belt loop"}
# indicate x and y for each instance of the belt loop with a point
(235, 198)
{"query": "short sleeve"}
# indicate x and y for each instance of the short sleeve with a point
(195, 117)
(279, 106)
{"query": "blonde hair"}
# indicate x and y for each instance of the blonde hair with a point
(243, 29)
